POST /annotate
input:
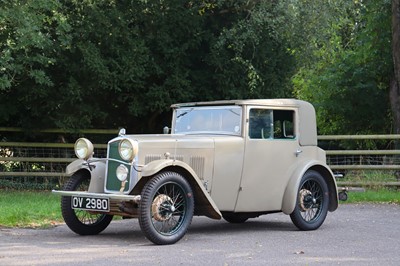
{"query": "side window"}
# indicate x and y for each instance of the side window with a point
(260, 124)
(271, 124)
(284, 124)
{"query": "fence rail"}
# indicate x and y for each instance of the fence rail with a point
(359, 137)
(41, 164)
(384, 164)
(22, 161)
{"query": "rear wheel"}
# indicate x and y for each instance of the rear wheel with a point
(80, 221)
(166, 208)
(312, 202)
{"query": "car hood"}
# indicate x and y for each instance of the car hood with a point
(176, 141)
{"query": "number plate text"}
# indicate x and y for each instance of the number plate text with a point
(90, 203)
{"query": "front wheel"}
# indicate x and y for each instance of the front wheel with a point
(80, 221)
(312, 202)
(166, 208)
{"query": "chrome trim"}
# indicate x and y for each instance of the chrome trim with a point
(133, 168)
(109, 159)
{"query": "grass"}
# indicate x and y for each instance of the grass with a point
(373, 181)
(369, 177)
(31, 209)
(376, 196)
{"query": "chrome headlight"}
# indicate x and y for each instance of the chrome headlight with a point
(83, 148)
(122, 172)
(128, 149)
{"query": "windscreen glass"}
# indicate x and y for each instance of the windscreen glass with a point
(208, 120)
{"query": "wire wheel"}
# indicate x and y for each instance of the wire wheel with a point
(312, 202)
(166, 208)
(80, 221)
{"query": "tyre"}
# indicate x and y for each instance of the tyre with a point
(312, 202)
(235, 218)
(80, 221)
(166, 208)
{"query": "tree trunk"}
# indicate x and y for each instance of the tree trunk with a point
(395, 81)
(394, 93)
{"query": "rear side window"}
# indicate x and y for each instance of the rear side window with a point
(271, 124)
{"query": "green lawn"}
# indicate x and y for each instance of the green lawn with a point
(42, 209)
(29, 209)
(376, 196)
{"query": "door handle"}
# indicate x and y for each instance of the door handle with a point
(297, 153)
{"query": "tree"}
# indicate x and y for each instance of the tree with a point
(31, 35)
(349, 81)
(83, 64)
(395, 79)
(250, 56)
(102, 75)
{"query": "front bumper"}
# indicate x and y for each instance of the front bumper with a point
(118, 197)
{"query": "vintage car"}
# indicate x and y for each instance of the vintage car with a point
(233, 159)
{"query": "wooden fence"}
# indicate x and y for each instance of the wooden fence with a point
(368, 160)
(48, 160)
(386, 163)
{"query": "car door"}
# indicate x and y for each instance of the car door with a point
(271, 151)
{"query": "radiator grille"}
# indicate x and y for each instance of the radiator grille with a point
(197, 163)
(151, 157)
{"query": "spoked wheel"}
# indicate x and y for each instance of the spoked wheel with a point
(312, 202)
(166, 208)
(80, 221)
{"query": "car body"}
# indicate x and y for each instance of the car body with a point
(233, 159)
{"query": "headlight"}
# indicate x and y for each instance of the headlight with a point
(128, 149)
(83, 148)
(122, 172)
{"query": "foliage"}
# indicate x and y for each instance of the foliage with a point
(350, 78)
(31, 36)
(29, 183)
(82, 64)
(86, 64)
(251, 57)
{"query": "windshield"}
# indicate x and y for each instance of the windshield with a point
(208, 120)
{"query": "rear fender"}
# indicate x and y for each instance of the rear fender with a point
(97, 170)
(290, 196)
(204, 203)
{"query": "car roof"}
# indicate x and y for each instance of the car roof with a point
(263, 102)
(307, 127)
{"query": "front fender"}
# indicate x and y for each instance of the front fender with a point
(75, 166)
(97, 170)
(290, 196)
(204, 203)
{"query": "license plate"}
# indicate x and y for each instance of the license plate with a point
(90, 203)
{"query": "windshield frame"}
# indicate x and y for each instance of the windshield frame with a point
(221, 120)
